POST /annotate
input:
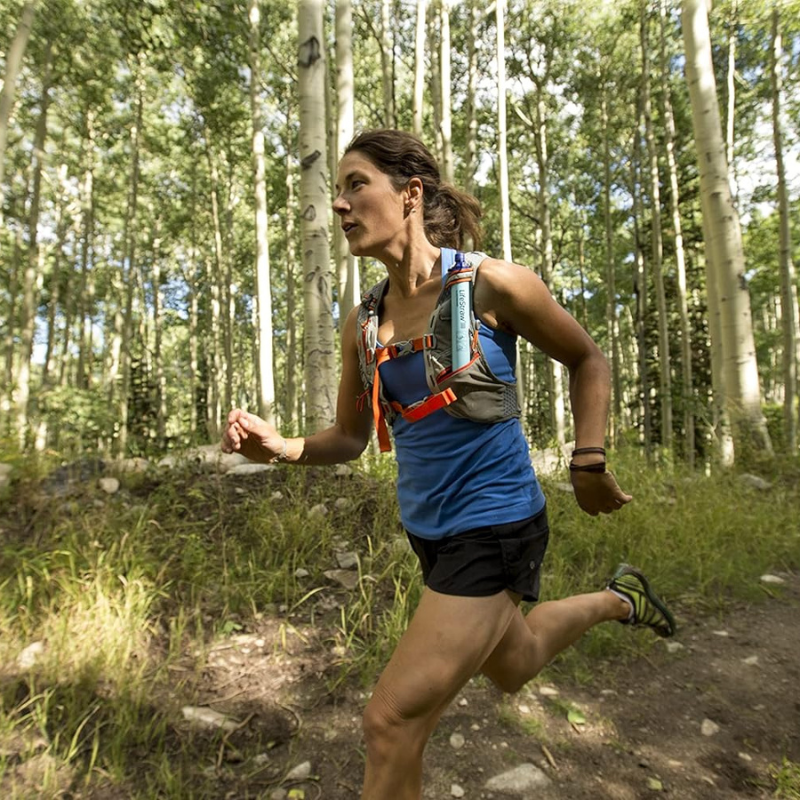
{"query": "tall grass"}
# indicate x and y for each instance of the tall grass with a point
(119, 589)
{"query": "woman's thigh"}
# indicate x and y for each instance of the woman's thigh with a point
(446, 643)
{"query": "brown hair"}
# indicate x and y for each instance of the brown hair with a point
(451, 217)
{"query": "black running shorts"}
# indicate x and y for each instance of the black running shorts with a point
(485, 561)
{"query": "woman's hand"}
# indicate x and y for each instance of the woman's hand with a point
(252, 437)
(598, 492)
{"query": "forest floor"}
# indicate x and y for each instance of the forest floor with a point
(713, 714)
(711, 720)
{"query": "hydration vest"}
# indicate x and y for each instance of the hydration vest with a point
(471, 392)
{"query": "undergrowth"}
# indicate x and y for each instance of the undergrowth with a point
(117, 589)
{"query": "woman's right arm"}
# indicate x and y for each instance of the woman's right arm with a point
(343, 441)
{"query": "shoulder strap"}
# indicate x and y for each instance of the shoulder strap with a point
(367, 331)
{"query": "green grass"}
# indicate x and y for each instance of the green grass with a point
(787, 779)
(124, 590)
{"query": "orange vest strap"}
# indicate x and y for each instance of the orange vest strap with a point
(382, 354)
(427, 406)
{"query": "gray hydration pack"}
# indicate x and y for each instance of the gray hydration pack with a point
(471, 392)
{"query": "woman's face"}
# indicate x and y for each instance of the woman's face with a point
(372, 212)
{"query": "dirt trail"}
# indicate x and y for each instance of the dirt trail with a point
(704, 722)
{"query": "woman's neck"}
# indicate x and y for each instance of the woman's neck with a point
(415, 265)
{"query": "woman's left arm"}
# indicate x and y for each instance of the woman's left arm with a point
(515, 299)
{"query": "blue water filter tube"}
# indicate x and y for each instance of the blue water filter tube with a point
(459, 305)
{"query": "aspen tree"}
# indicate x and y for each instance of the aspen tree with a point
(723, 240)
(320, 378)
(263, 311)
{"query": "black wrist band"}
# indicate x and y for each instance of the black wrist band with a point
(581, 451)
(599, 466)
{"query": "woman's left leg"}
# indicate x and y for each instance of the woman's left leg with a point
(445, 644)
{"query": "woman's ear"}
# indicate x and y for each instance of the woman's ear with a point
(414, 192)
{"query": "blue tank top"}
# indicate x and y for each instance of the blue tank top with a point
(455, 474)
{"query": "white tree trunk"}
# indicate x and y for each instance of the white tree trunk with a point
(387, 64)
(419, 66)
(680, 261)
(447, 121)
(654, 185)
(502, 132)
(471, 150)
(266, 381)
(33, 269)
(724, 245)
(314, 201)
(349, 281)
(13, 64)
(788, 287)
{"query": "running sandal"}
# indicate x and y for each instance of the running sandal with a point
(648, 609)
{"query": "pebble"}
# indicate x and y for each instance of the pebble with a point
(457, 741)
(771, 579)
(109, 485)
(208, 718)
(519, 781)
(347, 560)
(30, 655)
(301, 573)
(673, 647)
(319, 510)
(745, 756)
(456, 791)
(548, 691)
(751, 661)
(524, 709)
(463, 702)
(709, 728)
(345, 577)
(275, 496)
(300, 772)
(720, 633)
(342, 503)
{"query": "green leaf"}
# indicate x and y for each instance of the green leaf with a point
(655, 784)
(575, 717)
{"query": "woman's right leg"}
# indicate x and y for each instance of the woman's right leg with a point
(531, 642)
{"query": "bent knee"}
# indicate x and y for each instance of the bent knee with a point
(508, 684)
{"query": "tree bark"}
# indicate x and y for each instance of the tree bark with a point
(349, 293)
(291, 416)
(447, 122)
(33, 267)
(471, 150)
(657, 246)
(724, 242)
(687, 392)
(13, 64)
(320, 378)
(419, 66)
(87, 284)
(640, 284)
(612, 323)
(788, 287)
(387, 64)
(263, 311)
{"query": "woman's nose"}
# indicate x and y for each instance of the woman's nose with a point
(339, 205)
